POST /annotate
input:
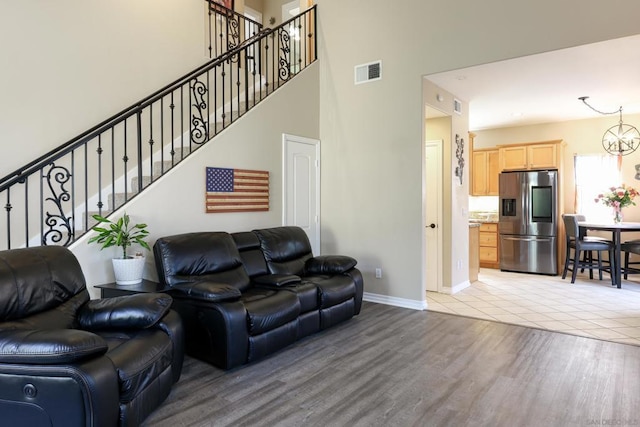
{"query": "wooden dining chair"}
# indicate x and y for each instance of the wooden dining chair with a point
(630, 247)
(581, 244)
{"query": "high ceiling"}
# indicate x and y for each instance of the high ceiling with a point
(545, 88)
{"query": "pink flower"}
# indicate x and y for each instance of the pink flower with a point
(618, 197)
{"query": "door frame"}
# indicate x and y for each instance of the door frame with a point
(429, 174)
(288, 140)
(256, 16)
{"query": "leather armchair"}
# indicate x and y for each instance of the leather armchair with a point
(70, 361)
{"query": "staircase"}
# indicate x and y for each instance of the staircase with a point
(51, 200)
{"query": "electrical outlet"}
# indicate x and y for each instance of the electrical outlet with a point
(459, 264)
(378, 273)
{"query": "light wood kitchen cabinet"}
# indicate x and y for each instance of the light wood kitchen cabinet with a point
(541, 155)
(489, 251)
(485, 171)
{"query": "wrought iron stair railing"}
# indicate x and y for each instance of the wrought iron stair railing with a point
(49, 201)
(228, 28)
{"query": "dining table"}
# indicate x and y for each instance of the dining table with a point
(616, 230)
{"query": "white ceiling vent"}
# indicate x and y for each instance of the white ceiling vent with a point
(365, 73)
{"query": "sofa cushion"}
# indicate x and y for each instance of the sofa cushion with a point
(62, 316)
(36, 279)
(307, 294)
(333, 290)
(267, 309)
(286, 249)
(210, 256)
(53, 346)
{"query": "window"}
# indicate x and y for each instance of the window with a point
(594, 174)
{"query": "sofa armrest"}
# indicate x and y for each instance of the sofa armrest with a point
(206, 291)
(137, 311)
(53, 346)
(329, 264)
(276, 280)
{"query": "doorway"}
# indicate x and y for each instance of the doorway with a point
(250, 30)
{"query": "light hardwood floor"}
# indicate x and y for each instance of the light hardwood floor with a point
(391, 366)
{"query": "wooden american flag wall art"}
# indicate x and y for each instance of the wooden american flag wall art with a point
(236, 190)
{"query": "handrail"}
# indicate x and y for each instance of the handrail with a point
(127, 112)
(179, 117)
(37, 163)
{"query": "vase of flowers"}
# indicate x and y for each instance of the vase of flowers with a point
(618, 198)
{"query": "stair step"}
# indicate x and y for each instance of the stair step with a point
(179, 153)
(146, 180)
(91, 222)
(115, 200)
(162, 166)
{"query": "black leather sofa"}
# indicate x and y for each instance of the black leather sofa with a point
(66, 360)
(245, 295)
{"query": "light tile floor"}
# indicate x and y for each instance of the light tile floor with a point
(590, 308)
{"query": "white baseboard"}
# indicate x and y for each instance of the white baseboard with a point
(457, 288)
(398, 302)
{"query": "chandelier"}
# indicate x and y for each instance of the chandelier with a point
(621, 139)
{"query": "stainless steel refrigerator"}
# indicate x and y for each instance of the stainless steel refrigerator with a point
(528, 223)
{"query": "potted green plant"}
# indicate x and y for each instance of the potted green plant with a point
(127, 269)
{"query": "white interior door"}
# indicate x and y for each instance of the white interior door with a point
(433, 215)
(301, 182)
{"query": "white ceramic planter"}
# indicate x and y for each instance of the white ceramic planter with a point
(128, 271)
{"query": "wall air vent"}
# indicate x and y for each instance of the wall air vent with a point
(365, 73)
(457, 106)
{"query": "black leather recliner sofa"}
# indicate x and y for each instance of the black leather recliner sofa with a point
(66, 360)
(245, 295)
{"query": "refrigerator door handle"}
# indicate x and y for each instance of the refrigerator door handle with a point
(528, 239)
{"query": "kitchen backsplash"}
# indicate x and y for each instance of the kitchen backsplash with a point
(483, 216)
(484, 208)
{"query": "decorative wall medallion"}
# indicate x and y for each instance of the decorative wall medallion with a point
(460, 157)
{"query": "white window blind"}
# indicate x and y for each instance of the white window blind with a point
(595, 174)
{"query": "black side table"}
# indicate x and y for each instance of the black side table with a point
(109, 290)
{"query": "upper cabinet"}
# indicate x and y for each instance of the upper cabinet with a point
(539, 155)
(487, 163)
(485, 170)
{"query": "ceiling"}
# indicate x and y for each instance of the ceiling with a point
(545, 87)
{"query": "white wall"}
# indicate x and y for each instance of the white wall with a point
(176, 203)
(372, 134)
(69, 64)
